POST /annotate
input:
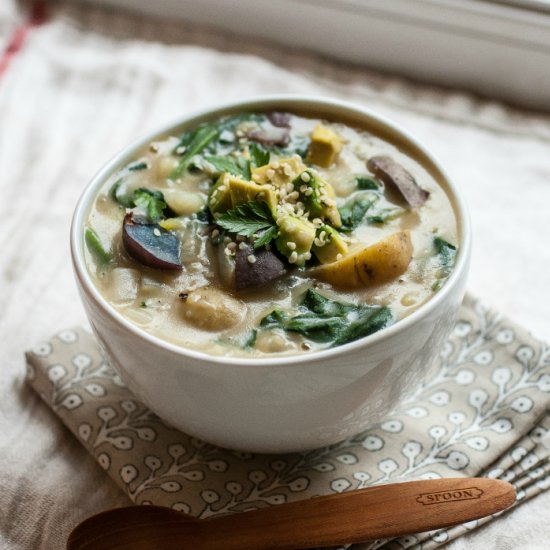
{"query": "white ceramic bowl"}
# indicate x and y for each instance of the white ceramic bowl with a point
(289, 403)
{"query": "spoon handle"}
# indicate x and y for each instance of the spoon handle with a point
(357, 516)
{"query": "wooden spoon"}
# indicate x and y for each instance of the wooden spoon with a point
(357, 516)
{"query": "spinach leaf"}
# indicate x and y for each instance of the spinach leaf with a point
(352, 214)
(244, 341)
(299, 145)
(150, 201)
(384, 214)
(316, 328)
(274, 319)
(231, 122)
(446, 252)
(247, 218)
(118, 194)
(95, 247)
(365, 321)
(136, 166)
(328, 321)
(194, 143)
(367, 183)
(321, 305)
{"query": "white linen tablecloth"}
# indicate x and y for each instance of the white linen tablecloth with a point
(88, 81)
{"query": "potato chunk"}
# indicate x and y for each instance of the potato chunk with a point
(124, 285)
(183, 203)
(375, 264)
(212, 309)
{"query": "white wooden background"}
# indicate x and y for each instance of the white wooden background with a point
(90, 80)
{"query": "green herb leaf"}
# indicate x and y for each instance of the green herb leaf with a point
(119, 195)
(247, 218)
(194, 143)
(136, 166)
(368, 320)
(231, 122)
(328, 321)
(274, 319)
(317, 327)
(266, 237)
(321, 305)
(259, 156)
(151, 201)
(352, 214)
(244, 166)
(225, 164)
(367, 183)
(245, 341)
(95, 247)
(446, 252)
(384, 214)
(299, 145)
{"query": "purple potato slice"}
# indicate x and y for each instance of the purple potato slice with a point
(266, 267)
(150, 244)
(392, 173)
(279, 119)
(270, 135)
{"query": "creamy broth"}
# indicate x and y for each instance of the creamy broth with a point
(163, 194)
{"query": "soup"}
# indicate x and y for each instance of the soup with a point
(263, 234)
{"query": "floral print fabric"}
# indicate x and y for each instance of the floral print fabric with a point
(483, 410)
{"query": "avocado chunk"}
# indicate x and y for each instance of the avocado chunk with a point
(329, 245)
(246, 191)
(318, 197)
(278, 172)
(325, 146)
(296, 236)
(219, 199)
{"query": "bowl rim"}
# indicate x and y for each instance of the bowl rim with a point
(268, 102)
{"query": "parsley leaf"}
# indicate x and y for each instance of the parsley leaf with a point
(267, 236)
(247, 219)
(150, 201)
(328, 321)
(244, 165)
(225, 164)
(258, 155)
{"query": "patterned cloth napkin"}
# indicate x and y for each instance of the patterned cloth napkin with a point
(484, 410)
